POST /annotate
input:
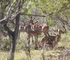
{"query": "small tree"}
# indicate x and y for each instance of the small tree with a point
(12, 34)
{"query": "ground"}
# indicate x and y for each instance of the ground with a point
(62, 50)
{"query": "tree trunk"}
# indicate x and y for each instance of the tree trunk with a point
(0, 10)
(1, 16)
(13, 45)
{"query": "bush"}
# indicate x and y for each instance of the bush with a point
(51, 22)
(5, 45)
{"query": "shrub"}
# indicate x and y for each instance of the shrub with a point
(5, 45)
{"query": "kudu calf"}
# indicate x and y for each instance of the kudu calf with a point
(50, 41)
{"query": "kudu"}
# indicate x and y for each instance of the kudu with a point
(38, 29)
(50, 41)
(35, 30)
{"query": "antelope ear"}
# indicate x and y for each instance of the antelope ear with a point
(61, 31)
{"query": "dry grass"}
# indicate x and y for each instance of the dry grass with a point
(37, 54)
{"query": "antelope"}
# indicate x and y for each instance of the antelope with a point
(35, 30)
(38, 29)
(50, 41)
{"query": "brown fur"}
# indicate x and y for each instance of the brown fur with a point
(50, 41)
(35, 29)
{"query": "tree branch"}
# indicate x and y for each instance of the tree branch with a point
(10, 33)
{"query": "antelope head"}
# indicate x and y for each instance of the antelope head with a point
(60, 31)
